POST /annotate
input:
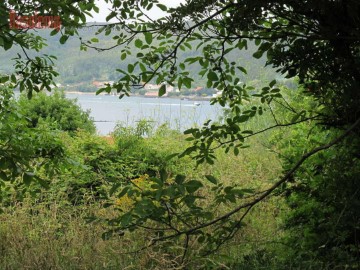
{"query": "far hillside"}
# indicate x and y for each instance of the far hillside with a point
(86, 70)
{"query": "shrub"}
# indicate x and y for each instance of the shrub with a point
(56, 111)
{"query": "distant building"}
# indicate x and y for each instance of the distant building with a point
(170, 88)
(151, 94)
(100, 84)
(150, 86)
(218, 94)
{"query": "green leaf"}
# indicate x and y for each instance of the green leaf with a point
(43, 183)
(179, 179)
(180, 82)
(63, 39)
(123, 192)
(258, 54)
(3, 176)
(114, 188)
(142, 67)
(272, 83)
(27, 178)
(242, 118)
(187, 82)
(4, 79)
(95, 40)
(126, 219)
(13, 78)
(169, 157)
(162, 90)
(193, 185)
(8, 44)
(130, 68)
(96, 9)
(162, 7)
(110, 16)
(242, 69)
(138, 43)
(163, 175)
(107, 235)
(148, 37)
(54, 32)
(212, 76)
(212, 179)
(298, 115)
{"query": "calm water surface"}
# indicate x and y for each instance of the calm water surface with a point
(107, 111)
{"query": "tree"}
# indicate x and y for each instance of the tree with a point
(33, 71)
(25, 151)
(316, 40)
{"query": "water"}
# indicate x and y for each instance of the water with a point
(179, 114)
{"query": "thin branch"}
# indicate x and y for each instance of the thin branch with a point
(186, 246)
(285, 178)
(273, 115)
(267, 129)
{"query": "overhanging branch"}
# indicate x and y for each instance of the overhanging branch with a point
(251, 204)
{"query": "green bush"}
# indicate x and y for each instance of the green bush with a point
(28, 156)
(322, 224)
(56, 111)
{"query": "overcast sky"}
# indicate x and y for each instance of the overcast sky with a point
(154, 13)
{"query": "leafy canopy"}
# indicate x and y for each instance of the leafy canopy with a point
(299, 38)
(316, 40)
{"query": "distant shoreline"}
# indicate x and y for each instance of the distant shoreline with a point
(192, 98)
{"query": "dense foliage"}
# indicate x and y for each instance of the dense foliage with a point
(25, 151)
(300, 38)
(172, 208)
(57, 111)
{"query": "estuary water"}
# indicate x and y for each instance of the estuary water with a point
(108, 110)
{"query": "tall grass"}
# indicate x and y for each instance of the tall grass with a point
(52, 234)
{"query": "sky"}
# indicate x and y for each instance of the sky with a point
(154, 13)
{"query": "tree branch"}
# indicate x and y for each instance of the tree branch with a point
(251, 204)
(266, 129)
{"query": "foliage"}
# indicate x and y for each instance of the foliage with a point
(284, 32)
(99, 165)
(39, 235)
(145, 148)
(299, 38)
(323, 199)
(24, 151)
(57, 111)
(34, 73)
(77, 70)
